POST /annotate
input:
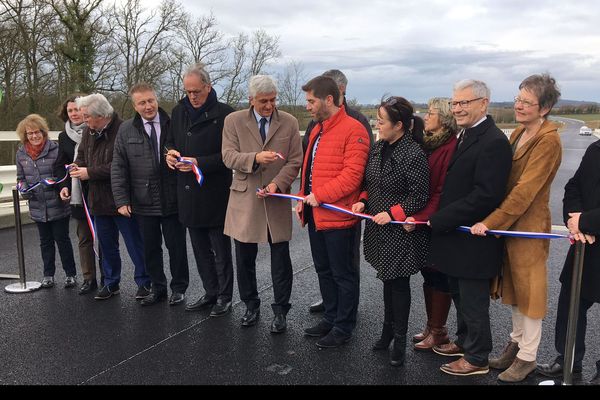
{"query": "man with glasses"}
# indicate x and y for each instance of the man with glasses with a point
(196, 136)
(475, 185)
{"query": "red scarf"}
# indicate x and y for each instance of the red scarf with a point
(34, 151)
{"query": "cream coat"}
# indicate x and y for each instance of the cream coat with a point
(526, 208)
(248, 216)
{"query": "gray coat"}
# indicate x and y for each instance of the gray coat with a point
(138, 179)
(44, 202)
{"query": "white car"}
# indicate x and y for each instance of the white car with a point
(585, 131)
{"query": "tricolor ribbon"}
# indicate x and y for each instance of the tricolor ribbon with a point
(45, 182)
(195, 169)
(467, 229)
(340, 209)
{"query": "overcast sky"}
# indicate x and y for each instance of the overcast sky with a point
(418, 49)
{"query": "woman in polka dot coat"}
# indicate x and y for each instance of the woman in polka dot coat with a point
(396, 186)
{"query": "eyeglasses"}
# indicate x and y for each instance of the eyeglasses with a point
(193, 93)
(33, 133)
(462, 103)
(429, 113)
(525, 103)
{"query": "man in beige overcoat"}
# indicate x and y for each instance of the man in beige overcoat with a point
(263, 147)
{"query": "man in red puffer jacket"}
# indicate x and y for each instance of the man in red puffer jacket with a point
(333, 169)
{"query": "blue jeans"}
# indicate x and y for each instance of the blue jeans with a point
(108, 228)
(333, 255)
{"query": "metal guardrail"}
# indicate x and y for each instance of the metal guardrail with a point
(11, 136)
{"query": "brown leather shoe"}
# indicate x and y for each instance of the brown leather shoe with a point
(462, 367)
(449, 349)
(518, 371)
(437, 337)
(507, 357)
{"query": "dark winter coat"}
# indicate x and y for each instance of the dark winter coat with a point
(582, 194)
(401, 185)
(66, 154)
(44, 201)
(475, 186)
(138, 179)
(96, 153)
(201, 207)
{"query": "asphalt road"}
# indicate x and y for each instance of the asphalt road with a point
(55, 336)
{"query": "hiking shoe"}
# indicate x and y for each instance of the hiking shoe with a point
(70, 282)
(48, 282)
(106, 292)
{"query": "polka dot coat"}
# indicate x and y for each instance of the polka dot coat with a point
(403, 180)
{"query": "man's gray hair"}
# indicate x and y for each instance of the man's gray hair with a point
(261, 84)
(198, 70)
(338, 76)
(479, 88)
(96, 104)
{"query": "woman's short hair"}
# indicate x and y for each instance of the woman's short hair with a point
(544, 87)
(96, 104)
(441, 104)
(261, 84)
(62, 112)
(32, 122)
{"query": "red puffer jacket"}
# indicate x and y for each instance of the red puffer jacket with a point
(338, 168)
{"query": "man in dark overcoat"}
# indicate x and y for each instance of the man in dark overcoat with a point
(475, 185)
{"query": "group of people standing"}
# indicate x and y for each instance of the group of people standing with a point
(455, 168)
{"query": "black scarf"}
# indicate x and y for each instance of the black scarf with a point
(196, 113)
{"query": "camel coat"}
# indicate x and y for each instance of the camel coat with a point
(526, 208)
(248, 216)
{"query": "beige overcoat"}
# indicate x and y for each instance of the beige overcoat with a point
(526, 208)
(249, 216)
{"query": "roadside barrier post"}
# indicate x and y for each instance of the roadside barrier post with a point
(23, 286)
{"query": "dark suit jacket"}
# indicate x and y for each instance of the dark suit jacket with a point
(582, 194)
(475, 185)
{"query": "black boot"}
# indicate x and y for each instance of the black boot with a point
(387, 334)
(398, 353)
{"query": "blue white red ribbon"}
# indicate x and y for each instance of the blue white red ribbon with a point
(340, 209)
(45, 182)
(467, 229)
(195, 169)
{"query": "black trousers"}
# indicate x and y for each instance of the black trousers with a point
(472, 301)
(281, 274)
(396, 303)
(56, 232)
(212, 250)
(153, 229)
(560, 330)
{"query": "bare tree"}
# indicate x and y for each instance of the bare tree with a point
(264, 49)
(142, 39)
(234, 91)
(290, 83)
(11, 60)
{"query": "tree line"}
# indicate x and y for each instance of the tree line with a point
(52, 48)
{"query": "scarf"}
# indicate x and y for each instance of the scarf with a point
(432, 141)
(74, 132)
(34, 151)
(196, 113)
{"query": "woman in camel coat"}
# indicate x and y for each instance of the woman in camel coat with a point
(536, 157)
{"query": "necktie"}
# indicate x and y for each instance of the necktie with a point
(263, 133)
(153, 139)
(461, 138)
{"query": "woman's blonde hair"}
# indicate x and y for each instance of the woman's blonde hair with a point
(32, 121)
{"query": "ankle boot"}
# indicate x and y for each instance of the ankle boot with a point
(427, 292)
(398, 352)
(438, 333)
(387, 334)
(506, 359)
